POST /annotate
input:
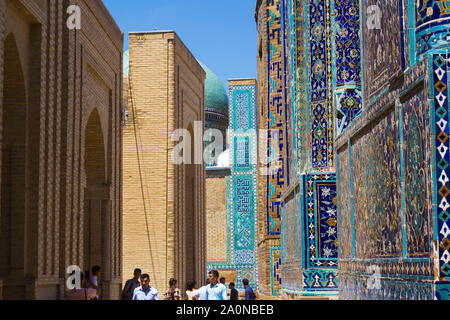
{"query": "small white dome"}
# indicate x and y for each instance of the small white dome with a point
(224, 159)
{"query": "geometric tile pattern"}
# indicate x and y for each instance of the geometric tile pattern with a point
(243, 114)
(244, 208)
(320, 233)
(398, 159)
(244, 257)
(295, 134)
(242, 153)
(301, 80)
(441, 65)
(277, 178)
(295, 62)
(290, 65)
(319, 280)
(387, 205)
(386, 165)
(310, 225)
(242, 118)
(241, 217)
(248, 274)
(289, 59)
(275, 275)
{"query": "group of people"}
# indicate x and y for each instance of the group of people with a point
(90, 290)
(138, 288)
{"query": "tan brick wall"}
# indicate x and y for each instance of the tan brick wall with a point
(163, 224)
(242, 82)
(60, 68)
(216, 211)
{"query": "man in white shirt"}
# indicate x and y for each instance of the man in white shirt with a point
(145, 291)
(216, 290)
(200, 294)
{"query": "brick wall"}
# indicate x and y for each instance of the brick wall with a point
(55, 62)
(163, 224)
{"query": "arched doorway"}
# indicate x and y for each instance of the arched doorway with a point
(13, 157)
(96, 196)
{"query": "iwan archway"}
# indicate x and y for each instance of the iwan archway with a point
(96, 198)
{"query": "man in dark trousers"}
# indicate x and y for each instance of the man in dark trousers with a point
(234, 294)
(249, 294)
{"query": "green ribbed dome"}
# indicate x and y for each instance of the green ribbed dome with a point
(215, 95)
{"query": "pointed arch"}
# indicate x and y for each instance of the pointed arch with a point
(96, 194)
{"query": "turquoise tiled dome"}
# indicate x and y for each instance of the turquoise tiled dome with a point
(216, 98)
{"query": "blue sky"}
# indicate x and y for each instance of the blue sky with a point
(221, 34)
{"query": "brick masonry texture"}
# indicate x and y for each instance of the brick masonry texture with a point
(60, 103)
(216, 214)
(265, 241)
(164, 224)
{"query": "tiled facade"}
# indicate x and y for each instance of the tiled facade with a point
(309, 241)
(393, 161)
(272, 145)
(61, 187)
(235, 231)
(364, 207)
